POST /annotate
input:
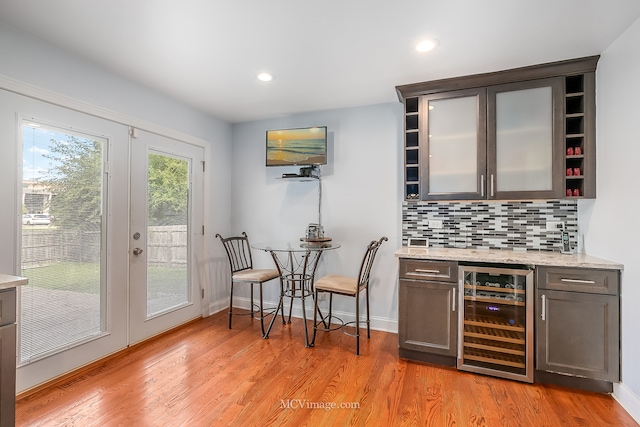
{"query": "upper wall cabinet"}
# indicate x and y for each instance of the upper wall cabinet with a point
(519, 134)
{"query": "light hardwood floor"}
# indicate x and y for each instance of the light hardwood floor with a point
(204, 374)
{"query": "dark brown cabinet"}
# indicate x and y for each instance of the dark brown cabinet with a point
(428, 321)
(527, 133)
(578, 322)
(7, 357)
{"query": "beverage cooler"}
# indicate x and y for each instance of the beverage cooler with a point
(496, 321)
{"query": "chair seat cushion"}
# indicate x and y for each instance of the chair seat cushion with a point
(336, 283)
(255, 275)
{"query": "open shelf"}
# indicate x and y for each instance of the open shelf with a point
(411, 153)
(579, 181)
(298, 178)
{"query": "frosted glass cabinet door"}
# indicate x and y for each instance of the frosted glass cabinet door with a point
(455, 155)
(521, 126)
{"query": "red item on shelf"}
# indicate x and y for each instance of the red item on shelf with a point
(576, 192)
(576, 171)
(569, 192)
(569, 171)
(577, 151)
(570, 151)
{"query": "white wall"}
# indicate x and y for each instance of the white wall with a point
(610, 223)
(361, 196)
(43, 68)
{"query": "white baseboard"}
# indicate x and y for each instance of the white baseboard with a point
(377, 323)
(628, 399)
(219, 305)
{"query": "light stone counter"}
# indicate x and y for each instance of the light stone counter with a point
(8, 282)
(533, 258)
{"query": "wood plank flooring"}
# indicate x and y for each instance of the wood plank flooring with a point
(204, 374)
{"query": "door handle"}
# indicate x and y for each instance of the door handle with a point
(137, 251)
(453, 301)
(543, 315)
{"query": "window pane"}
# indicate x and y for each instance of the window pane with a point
(61, 240)
(167, 234)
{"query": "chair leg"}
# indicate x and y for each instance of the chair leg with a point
(251, 307)
(231, 305)
(368, 320)
(262, 310)
(357, 326)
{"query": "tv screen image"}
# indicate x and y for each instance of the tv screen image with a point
(297, 147)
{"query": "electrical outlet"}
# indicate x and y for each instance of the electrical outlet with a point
(435, 223)
(555, 225)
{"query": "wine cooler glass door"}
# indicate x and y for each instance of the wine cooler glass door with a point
(496, 318)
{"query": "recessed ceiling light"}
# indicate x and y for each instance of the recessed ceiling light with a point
(266, 77)
(426, 45)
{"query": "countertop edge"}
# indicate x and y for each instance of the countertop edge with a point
(535, 259)
(8, 281)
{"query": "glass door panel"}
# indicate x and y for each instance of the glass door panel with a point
(453, 145)
(167, 233)
(455, 153)
(62, 245)
(496, 318)
(524, 140)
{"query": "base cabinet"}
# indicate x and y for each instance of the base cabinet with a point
(576, 341)
(428, 320)
(578, 323)
(7, 357)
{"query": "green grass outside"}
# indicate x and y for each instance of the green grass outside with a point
(85, 277)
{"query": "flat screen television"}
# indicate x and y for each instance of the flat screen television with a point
(297, 147)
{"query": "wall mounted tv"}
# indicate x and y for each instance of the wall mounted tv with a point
(297, 147)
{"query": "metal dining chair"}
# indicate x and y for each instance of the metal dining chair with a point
(242, 271)
(346, 286)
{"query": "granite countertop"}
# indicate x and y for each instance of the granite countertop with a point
(537, 258)
(8, 282)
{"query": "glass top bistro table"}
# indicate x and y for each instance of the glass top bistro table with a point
(296, 262)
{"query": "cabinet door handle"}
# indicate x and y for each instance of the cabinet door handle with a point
(491, 185)
(587, 282)
(481, 185)
(544, 307)
(453, 301)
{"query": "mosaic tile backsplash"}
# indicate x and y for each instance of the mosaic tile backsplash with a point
(491, 225)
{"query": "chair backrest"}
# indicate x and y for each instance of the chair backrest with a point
(238, 251)
(367, 262)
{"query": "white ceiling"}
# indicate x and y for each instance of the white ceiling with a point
(325, 54)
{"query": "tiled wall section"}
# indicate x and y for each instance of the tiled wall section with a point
(491, 225)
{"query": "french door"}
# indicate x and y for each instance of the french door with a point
(165, 234)
(84, 186)
(67, 216)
